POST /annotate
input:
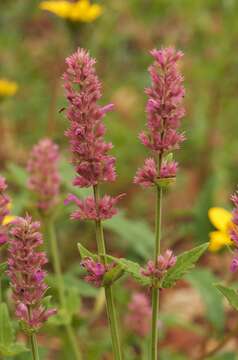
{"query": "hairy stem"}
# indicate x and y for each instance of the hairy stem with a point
(155, 290)
(111, 311)
(60, 285)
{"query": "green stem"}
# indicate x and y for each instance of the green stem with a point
(60, 285)
(155, 290)
(34, 347)
(111, 310)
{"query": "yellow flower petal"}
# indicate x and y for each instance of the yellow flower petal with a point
(8, 219)
(218, 240)
(84, 11)
(220, 218)
(7, 88)
(60, 8)
(81, 10)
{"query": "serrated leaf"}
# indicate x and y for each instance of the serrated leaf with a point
(134, 269)
(86, 253)
(230, 294)
(185, 262)
(6, 328)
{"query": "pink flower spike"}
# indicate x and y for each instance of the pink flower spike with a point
(27, 279)
(44, 179)
(89, 149)
(164, 113)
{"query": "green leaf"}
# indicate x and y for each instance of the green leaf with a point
(185, 262)
(6, 328)
(113, 275)
(133, 269)
(3, 268)
(135, 235)
(86, 253)
(73, 301)
(12, 349)
(202, 225)
(224, 356)
(230, 294)
(202, 280)
(17, 174)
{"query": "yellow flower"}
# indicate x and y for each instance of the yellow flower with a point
(8, 218)
(7, 88)
(221, 220)
(81, 10)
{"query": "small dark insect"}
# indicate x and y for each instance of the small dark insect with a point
(62, 109)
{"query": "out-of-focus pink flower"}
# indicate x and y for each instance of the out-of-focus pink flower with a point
(4, 211)
(139, 313)
(164, 113)
(89, 210)
(27, 278)
(96, 271)
(86, 132)
(234, 230)
(234, 264)
(164, 263)
(44, 179)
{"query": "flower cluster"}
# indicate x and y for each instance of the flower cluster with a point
(96, 271)
(164, 113)
(234, 230)
(4, 211)
(26, 274)
(148, 175)
(44, 179)
(80, 10)
(164, 263)
(7, 88)
(138, 318)
(93, 164)
(89, 210)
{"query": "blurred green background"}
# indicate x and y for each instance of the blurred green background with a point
(34, 44)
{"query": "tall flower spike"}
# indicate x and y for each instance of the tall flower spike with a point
(44, 179)
(164, 113)
(25, 270)
(91, 160)
(92, 163)
(4, 211)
